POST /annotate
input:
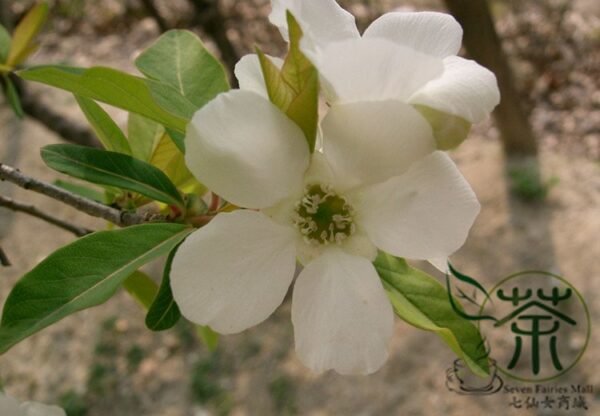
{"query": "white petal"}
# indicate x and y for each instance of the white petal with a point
(372, 70)
(39, 409)
(249, 73)
(342, 317)
(246, 150)
(465, 89)
(369, 142)
(9, 405)
(234, 272)
(424, 214)
(432, 33)
(322, 20)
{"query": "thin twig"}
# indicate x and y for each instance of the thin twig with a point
(90, 207)
(31, 210)
(4, 259)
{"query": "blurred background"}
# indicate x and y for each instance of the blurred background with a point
(535, 167)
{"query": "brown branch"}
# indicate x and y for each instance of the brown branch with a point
(90, 207)
(33, 211)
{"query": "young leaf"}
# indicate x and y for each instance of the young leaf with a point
(164, 312)
(4, 45)
(294, 88)
(13, 97)
(83, 274)
(113, 169)
(151, 99)
(422, 301)
(141, 288)
(179, 59)
(170, 160)
(144, 135)
(24, 34)
(110, 135)
(178, 139)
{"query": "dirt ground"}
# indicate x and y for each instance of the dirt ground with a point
(103, 361)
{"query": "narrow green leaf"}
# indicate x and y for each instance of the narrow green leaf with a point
(13, 97)
(113, 169)
(4, 44)
(164, 312)
(448, 130)
(83, 274)
(209, 337)
(144, 135)
(179, 59)
(5, 69)
(280, 93)
(84, 191)
(299, 110)
(148, 98)
(422, 301)
(295, 88)
(110, 135)
(141, 287)
(297, 69)
(25, 33)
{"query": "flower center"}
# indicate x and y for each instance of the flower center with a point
(324, 217)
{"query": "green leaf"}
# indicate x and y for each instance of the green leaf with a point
(178, 139)
(83, 274)
(179, 59)
(148, 98)
(169, 159)
(113, 169)
(24, 34)
(448, 130)
(4, 44)
(13, 97)
(164, 312)
(144, 135)
(295, 88)
(208, 336)
(422, 301)
(84, 191)
(141, 287)
(110, 135)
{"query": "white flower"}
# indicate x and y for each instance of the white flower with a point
(409, 57)
(9, 406)
(378, 183)
(375, 182)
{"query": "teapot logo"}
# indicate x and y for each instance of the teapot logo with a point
(536, 324)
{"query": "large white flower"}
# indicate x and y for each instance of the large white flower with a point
(377, 183)
(9, 406)
(405, 56)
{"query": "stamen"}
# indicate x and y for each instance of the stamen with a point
(324, 217)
